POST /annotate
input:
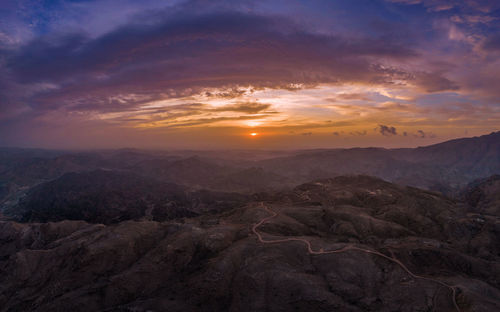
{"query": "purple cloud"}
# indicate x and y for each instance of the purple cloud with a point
(178, 55)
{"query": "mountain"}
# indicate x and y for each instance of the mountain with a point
(349, 243)
(104, 196)
(214, 174)
(446, 167)
(251, 180)
(193, 171)
(480, 152)
(483, 195)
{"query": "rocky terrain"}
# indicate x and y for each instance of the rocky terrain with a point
(483, 195)
(103, 196)
(132, 230)
(350, 243)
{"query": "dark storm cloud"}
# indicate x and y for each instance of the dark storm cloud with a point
(387, 130)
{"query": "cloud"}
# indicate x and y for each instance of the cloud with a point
(387, 130)
(435, 82)
(492, 43)
(378, 111)
(352, 96)
(473, 19)
(406, 1)
(358, 133)
(423, 135)
(431, 5)
(196, 122)
(229, 93)
(179, 55)
(190, 114)
(483, 6)
(246, 107)
(286, 67)
(306, 133)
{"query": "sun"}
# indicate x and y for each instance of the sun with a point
(254, 134)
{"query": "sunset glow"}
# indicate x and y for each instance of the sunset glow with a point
(300, 70)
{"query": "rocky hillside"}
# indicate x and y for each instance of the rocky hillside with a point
(483, 195)
(104, 196)
(374, 246)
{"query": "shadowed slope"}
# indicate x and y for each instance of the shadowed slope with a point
(398, 242)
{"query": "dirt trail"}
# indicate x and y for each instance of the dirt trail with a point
(344, 249)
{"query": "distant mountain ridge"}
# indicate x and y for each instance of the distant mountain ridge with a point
(446, 167)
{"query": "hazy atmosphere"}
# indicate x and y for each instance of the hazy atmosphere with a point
(207, 74)
(247, 156)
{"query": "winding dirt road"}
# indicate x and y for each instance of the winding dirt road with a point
(344, 249)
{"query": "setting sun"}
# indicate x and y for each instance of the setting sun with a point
(253, 134)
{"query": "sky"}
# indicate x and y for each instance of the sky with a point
(208, 74)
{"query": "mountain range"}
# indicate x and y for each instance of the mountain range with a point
(364, 229)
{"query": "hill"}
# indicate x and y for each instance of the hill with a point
(351, 243)
(103, 196)
(483, 195)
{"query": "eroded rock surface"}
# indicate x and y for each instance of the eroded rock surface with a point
(216, 263)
